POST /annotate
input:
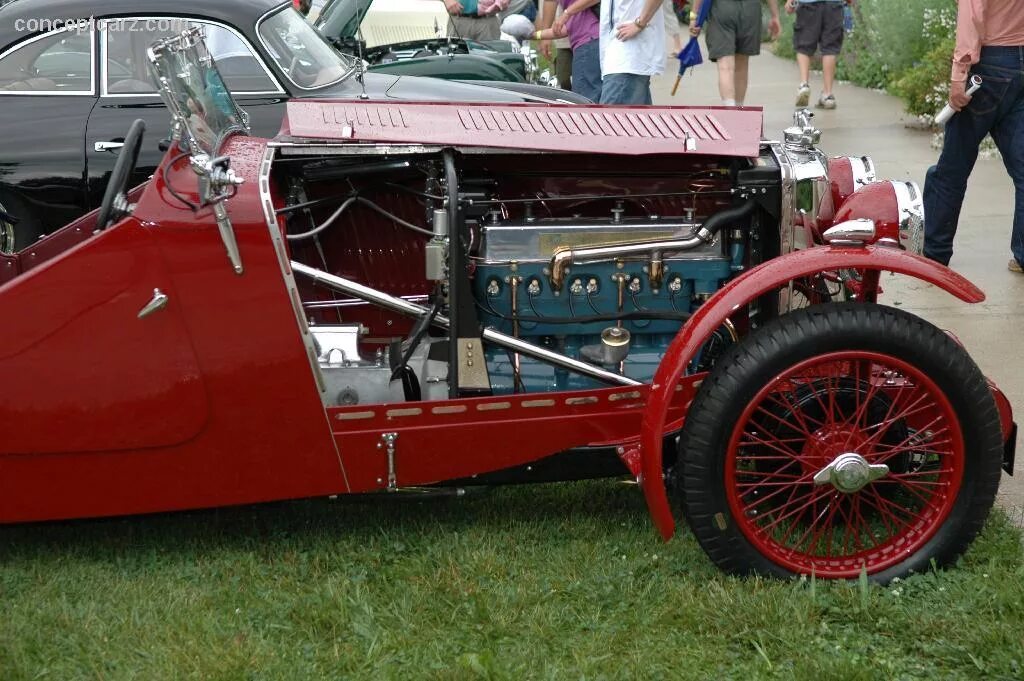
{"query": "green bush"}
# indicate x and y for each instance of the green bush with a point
(904, 46)
(925, 86)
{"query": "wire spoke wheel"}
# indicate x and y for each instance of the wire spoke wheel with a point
(840, 439)
(844, 461)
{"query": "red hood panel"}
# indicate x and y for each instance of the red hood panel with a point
(630, 131)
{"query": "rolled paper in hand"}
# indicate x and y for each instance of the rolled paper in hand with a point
(947, 112)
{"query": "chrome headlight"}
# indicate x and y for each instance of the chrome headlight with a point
(863, 171)
(910, 208)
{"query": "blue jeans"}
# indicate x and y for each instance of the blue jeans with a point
(996, 109)
(626, 88)
(586, 70)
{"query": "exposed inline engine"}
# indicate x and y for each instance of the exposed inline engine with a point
(550, 258)
(588, 303)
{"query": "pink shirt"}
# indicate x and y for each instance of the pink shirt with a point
(982, 23)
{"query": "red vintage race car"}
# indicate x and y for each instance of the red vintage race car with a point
(387, 297)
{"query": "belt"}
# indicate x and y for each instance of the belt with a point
(473, 16)
(1002, 49)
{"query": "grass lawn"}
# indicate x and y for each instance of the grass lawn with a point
(555, 581)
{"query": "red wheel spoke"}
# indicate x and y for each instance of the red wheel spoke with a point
(926, 499)
(830, 408)
(861, 407)
(783, 400)
(929, 448)
(884, 506)
(897, 449)
(848, 528)
(885, 516)
(774, 475)
(796, 486)
(907, 441)
(774, 445)
(830, 510)
(861, 521)
(775, 417)
(784, 541)
(917, 474)
(880, 428)
(911, 410)
(814, 495)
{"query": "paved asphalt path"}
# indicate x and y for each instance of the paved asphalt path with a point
(872, 123)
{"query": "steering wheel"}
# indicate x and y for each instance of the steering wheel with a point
(115, 199)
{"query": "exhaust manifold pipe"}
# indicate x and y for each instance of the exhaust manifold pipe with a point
(566, 256)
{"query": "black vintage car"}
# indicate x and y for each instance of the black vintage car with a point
(73, 77)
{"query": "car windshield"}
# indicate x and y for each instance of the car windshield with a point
(301, 52)
(192, 88)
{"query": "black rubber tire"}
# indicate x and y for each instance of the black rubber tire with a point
(747, 367)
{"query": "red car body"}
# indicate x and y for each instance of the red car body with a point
(211, 401)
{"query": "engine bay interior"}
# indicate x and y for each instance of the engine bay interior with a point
(519, 258)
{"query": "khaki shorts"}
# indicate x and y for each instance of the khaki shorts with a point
(734, 27)
(475, 28)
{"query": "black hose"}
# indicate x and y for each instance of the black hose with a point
(318, 173)
(365, 202)
(727, 216)
(418, 332)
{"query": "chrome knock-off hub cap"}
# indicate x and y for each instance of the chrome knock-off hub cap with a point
(849, 472)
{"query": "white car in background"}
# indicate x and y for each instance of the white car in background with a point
(410, 37)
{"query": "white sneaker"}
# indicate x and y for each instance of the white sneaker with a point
(803, 95)
(827, 102)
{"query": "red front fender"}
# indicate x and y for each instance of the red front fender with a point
(740, 291)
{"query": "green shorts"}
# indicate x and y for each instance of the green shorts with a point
(734, 27)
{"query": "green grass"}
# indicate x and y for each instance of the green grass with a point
(552, 582)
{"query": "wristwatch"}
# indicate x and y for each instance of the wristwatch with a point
(639, 24)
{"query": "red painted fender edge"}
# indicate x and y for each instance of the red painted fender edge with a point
(740, 291)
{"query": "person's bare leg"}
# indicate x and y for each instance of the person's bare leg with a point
(804, 61)
(828, 65)
(727, 79)
(742, 77)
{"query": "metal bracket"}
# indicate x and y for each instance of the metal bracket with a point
(387, 440)
(472, 365)
(217, 182)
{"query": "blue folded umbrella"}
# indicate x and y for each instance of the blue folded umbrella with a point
(690, 55)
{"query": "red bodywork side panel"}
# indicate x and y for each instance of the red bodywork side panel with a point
(453, 439)
(265, 433)
(716, 131)
(79, 352)
(711, 315)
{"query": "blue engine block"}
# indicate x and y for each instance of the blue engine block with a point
(591, 290)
